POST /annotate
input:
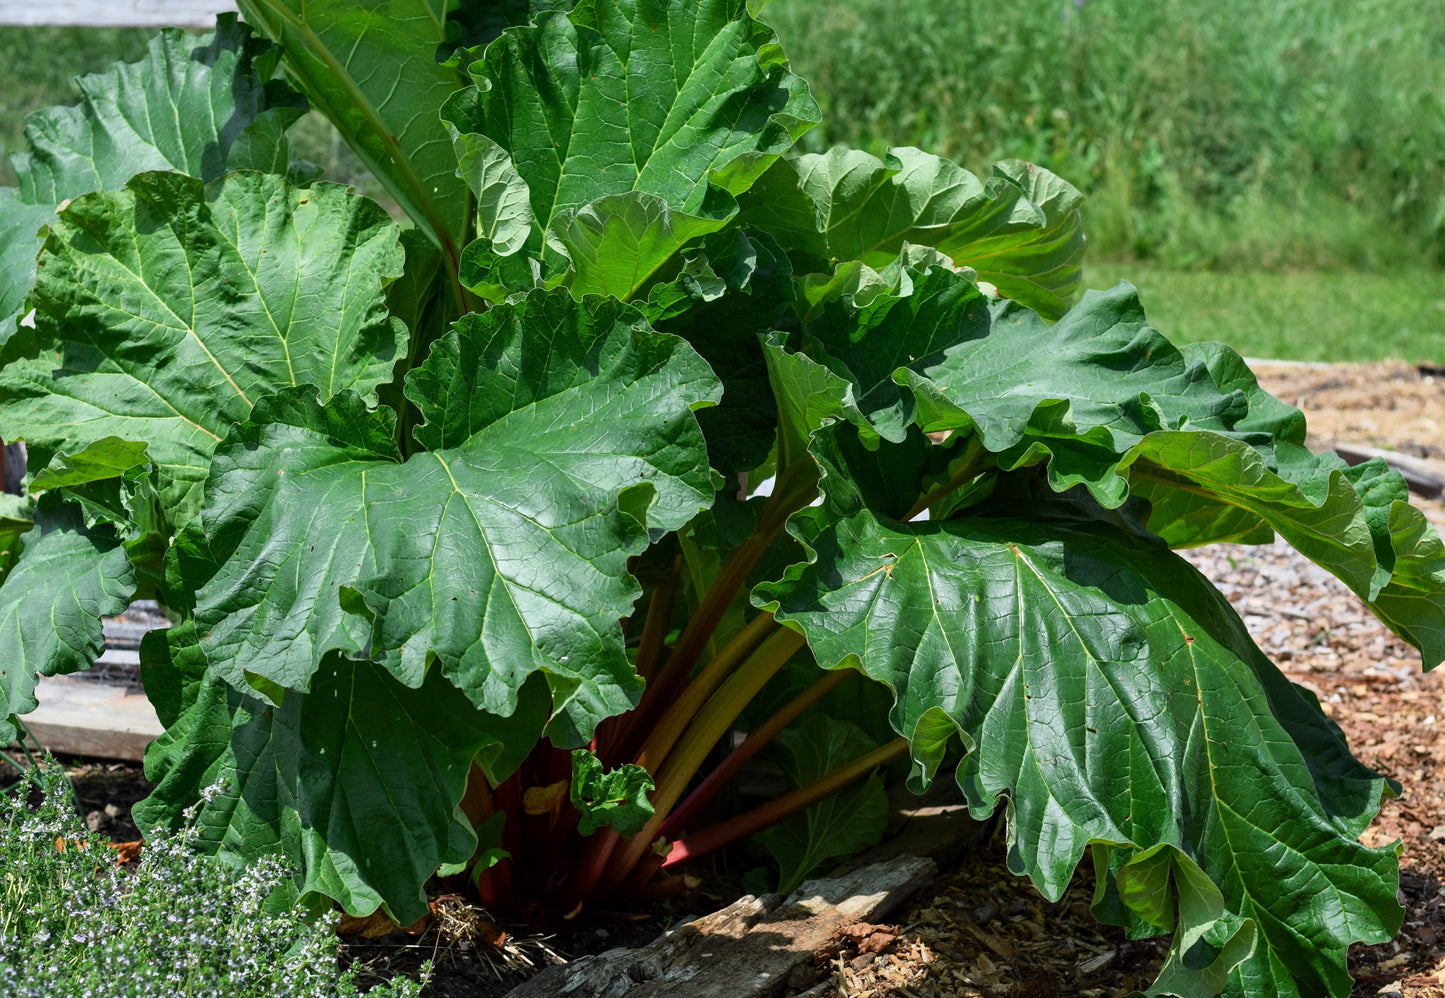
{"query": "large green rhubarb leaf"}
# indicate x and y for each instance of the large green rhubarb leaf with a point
(685, 101)
(372, 68)
(357, 782)
(165, 310)
(1112, 697)
(1019, 230)
(560, 432)
(1104, 401)
(199, 105)
(67, 578)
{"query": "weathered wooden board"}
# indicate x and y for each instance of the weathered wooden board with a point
(756, 947)
(85, 717)
(114, 13)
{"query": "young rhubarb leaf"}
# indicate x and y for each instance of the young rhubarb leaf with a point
(614, 798)
(1113, 697)
(1019, 230)
(66, 578)
(165, 310)
(504, 205)
(200, 105)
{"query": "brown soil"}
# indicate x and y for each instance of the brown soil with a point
(983, 932)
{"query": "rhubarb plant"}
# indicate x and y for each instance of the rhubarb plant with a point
(499, 535)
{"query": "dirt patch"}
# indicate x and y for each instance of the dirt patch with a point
(1395, 406)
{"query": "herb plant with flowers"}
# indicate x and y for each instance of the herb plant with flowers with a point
(75, 923)
(459, 519)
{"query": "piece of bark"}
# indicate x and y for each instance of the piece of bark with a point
(749, 949)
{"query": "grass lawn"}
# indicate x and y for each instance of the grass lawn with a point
(1310, 315)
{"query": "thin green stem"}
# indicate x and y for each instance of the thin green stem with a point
(754, 743)
(25, 733)
(772, 812)
(711, 723)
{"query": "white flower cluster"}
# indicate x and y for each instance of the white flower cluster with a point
(72, 922)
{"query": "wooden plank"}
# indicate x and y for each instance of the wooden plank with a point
(114, 13)
(757, 947)
(85, 717)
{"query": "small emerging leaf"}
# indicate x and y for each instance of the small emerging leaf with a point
(616, 798)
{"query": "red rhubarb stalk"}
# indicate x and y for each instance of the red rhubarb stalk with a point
(761, 817)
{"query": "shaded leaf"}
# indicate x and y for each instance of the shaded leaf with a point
(357, 783)
(15, 522)
(736, 287)
(66, 578)
(848, 822)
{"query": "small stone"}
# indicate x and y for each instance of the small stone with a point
(96, 820)
(114, 811)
